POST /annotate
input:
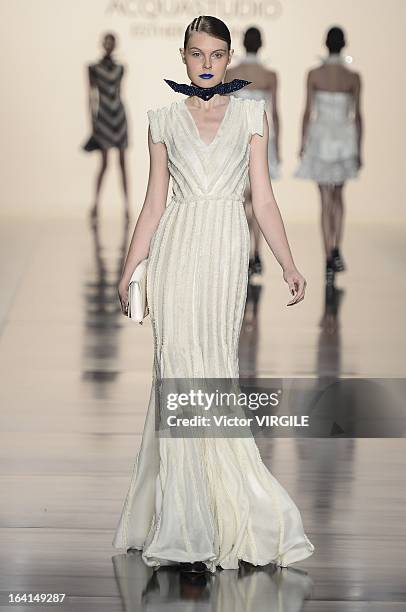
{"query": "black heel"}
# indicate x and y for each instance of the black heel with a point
(197, 567)
(330, 273)
(258, 268)
(338, 263)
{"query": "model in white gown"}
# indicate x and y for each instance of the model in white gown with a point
(204, 499)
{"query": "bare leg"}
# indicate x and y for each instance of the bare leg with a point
(124, 181)
(327, 218)
(338, 214)
(99, 180)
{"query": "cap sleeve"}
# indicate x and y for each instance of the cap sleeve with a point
(157, 125)
(256, 110)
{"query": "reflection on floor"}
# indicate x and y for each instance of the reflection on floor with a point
(248, 588)
(75, 381)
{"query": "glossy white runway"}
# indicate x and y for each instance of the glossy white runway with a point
(75, 380)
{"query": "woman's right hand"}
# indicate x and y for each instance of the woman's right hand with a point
(123, 296)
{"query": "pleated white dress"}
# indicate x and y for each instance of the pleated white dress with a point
(204, 499)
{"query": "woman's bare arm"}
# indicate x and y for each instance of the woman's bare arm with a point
(152, 210)
(275, 113)
(308, 107)
(92, 94)
(268, 215)
(357, 111)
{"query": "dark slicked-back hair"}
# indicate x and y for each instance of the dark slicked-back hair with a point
(109, 35)
(252, 40)
(335, 39)
(210, 25)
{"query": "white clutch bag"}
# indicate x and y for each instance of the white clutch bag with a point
(137, 293)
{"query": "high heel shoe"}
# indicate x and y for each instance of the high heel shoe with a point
(257, 265)
(251, 267)
(330, 273)
(197, 567)
(338, 263)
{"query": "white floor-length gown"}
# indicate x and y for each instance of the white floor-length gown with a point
(204, 499)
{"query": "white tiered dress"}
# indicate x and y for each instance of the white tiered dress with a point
(204, 499)
(330, 154)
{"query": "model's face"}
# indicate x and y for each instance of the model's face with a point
(109, 44)
(206, 59)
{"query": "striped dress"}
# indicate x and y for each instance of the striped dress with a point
(109, 119)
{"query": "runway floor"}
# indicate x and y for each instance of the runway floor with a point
(75, 381)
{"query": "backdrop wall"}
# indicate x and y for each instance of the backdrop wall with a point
(44, 119)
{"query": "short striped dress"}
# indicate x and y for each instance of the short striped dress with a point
(109, 120)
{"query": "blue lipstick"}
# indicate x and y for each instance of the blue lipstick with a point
(206, 76)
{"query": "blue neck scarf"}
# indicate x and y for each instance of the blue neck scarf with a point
(207, 92)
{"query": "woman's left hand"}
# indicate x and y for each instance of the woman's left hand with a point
(297, 285)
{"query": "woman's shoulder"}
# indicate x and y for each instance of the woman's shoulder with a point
(159, 120)
(250, 112)
(163, 117)
(253, 109)
(163, 111)
(250, 104)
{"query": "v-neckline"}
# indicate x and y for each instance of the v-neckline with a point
(219, 129)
